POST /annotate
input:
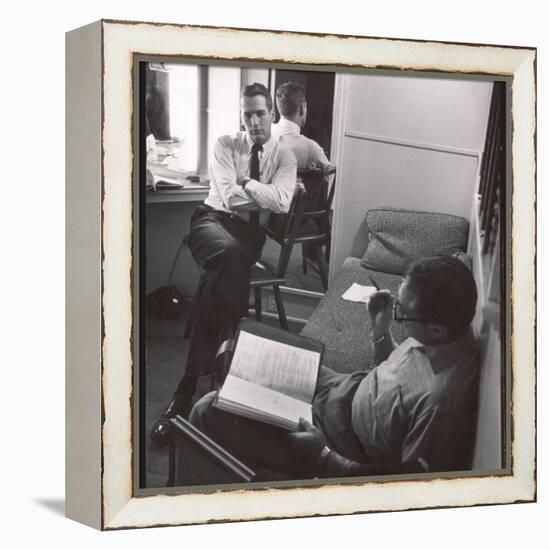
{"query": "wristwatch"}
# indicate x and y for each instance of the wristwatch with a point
(322, 458)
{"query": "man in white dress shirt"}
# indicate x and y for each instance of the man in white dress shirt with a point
(291, 102)
(251, 175)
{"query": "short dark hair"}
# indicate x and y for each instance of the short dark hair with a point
(258, 89)
(289, 97)
(446, 291)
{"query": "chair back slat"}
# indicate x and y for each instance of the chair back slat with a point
(307, 222)
(320, 186)
(293, 222)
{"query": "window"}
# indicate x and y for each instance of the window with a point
(189, 106)
(183, 102)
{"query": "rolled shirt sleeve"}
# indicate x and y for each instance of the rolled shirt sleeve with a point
(230, 164)
(276, 196)
(317, 156)
(224, 176)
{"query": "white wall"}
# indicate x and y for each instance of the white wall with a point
(404, 142)
(249, 75)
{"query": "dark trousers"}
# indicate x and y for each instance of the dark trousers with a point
(263, 446)
(226, 248)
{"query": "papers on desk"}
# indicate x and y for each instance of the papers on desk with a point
(165, 182)
(160, 177)
(166, 167)
(358, 293)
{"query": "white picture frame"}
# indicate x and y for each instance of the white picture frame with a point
(100, 258)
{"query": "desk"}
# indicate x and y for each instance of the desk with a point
(190, 193)
(166, 225)
(167, 220)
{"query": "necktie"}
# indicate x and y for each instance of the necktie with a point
(254, 174)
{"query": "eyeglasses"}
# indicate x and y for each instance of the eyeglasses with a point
(399, 318)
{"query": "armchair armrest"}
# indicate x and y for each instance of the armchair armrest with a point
(217, 464)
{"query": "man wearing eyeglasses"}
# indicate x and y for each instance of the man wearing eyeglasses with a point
(414, 411)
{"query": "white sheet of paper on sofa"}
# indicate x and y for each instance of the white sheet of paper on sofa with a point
(358, 293)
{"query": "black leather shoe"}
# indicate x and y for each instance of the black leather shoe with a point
(162, 428)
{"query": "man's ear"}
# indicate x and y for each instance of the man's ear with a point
(439, 331)
(272, 115)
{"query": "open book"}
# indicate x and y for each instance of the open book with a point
(272, 376)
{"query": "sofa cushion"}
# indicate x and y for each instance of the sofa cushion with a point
(397, 237)
(342, 325)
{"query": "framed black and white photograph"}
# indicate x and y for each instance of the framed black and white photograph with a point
(310, 273)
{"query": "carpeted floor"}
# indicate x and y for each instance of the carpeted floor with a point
(294, 275)
(165, 363)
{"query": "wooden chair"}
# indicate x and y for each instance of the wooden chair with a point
(283, 230)
(315, 229)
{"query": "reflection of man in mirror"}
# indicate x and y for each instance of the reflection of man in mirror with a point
(251, 175)
(291, 102)
(415, 411)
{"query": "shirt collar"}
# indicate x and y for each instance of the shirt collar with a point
(267, 146)
(287, 127)
(442, 356)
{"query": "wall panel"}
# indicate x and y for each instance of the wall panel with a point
(404, 142)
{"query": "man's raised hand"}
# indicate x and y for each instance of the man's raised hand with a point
(380, 312)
